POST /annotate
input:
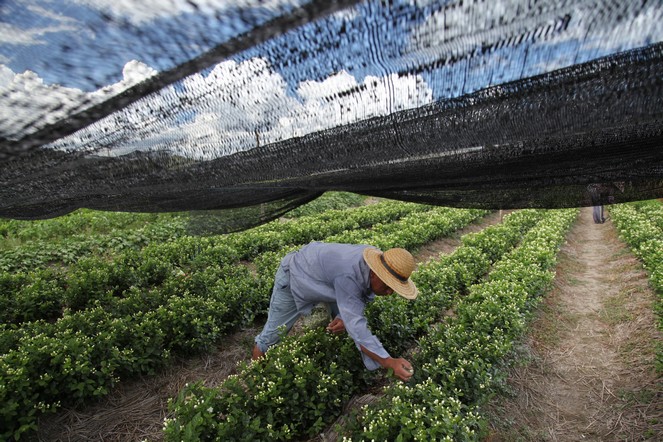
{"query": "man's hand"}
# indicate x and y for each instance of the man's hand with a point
(336, 326)
(402, 368)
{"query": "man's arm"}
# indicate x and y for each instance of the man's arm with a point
(402, 368)
(351, 310)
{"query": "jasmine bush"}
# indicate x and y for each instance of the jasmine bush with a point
(640, 225)
(460, 357)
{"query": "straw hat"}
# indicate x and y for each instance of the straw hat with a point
(394, 268)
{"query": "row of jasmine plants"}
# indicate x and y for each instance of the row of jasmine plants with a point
(458, 361)
(30, 245)
(640, 225)
(303, 383)
(61, 242)
(125, 316)
(79, 222)
(194, 293)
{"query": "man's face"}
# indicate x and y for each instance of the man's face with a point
(379, 287)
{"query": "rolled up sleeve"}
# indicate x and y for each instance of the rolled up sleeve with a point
(351, 310)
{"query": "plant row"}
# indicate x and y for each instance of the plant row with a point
(81, 222)
(46, 293)
(68, 249)
(327, 201)
(275, 235)
(642, 233)
(83, 354)
(63, 241)
(651, 209)
(119, 288)
(303, 383)
(94, 222)
(458, 361)
(640, 225)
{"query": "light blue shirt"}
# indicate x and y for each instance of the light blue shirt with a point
(329, 272)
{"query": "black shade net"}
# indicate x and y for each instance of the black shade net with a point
(247, 111)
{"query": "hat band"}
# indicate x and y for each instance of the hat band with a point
(393, 272)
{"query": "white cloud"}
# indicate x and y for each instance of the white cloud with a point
(233, 102)
(597, 34)
(148, 10)
(6, 77)
(133, 73)
(239, 106)
(341, 100)
(29, 104)
(10, 34)
(249, 97)
(346, 14)
(460, 28)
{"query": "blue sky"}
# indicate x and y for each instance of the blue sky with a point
(362, 62)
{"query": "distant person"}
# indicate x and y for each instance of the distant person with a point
(595, 194)
(345, 277)
(598, 214)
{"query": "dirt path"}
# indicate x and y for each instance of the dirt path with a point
(589, 372)
(447, 245)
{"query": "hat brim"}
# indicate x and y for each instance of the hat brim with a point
(406, 289)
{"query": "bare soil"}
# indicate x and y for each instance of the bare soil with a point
(586, 371)
(447, 245)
